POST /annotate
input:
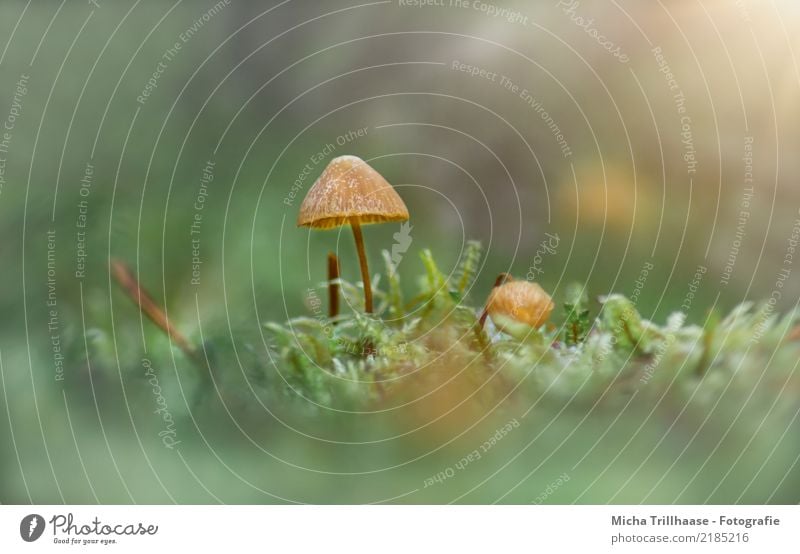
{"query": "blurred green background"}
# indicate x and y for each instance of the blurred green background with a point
(253, 93)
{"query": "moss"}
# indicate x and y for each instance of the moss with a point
(419, 348)
(436, 337)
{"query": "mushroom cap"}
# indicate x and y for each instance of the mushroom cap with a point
(519, 302)
(350, 189)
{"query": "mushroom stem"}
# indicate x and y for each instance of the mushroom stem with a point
(333, 287)
(362, 260)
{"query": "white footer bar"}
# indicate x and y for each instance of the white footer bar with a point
(401, 529)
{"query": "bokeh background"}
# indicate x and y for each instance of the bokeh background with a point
(568, 126)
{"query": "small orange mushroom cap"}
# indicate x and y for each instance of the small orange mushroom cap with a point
(519, 302)
(350, 189)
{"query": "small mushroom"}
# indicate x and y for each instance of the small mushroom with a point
(350, 192)
(517, 305)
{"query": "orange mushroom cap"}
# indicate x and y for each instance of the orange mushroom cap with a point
(519, 302)
(350, 189)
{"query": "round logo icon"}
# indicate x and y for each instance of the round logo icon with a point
(31, 527)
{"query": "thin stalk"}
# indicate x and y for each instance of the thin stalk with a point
(502, 278)
(362, 260)
(333, 285)
(124, 276)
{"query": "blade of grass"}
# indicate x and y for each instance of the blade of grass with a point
(125, 278)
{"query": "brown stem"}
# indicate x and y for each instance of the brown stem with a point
(362, 260)
(502, 279)
(795, 334)
(333, 287)
(124, 276)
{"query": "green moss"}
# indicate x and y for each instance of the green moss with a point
(615, 354)
(353, 361)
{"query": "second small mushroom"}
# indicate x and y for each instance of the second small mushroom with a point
(350, 192)
(518, 305)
